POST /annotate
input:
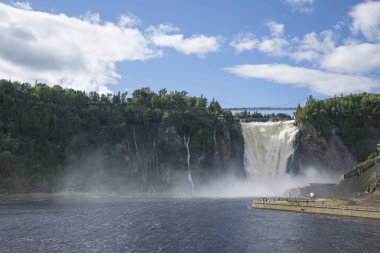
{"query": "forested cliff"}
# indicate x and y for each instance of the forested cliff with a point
(338, 132)
(52, 138)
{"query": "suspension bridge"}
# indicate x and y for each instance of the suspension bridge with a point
(258, 109)
(261, 109)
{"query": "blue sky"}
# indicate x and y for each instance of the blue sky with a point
(246, 53)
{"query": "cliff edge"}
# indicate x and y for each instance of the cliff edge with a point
(327, 154)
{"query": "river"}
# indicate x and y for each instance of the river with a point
(167, 224)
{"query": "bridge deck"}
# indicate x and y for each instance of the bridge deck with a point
(248, 120)
(262, 109)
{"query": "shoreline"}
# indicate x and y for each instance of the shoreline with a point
(36, 197)
(322, 206)
(25, 197)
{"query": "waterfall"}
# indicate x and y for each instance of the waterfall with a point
(186, 141)
(268, 147)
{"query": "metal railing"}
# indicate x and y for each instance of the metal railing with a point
(315, 203)
(261, 109)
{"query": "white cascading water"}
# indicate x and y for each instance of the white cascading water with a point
(268, 146)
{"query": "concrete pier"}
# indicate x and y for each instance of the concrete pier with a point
(353, 211)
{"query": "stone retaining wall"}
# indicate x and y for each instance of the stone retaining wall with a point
(344, 211)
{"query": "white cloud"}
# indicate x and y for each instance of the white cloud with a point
(169, 36)
(355, 58)
(58, 49)
(244, 42)
(277, 29)
(129, 20)
(319, 81)
(358, 54)
(366, 20)
(91, 17)
(312, 46)
(273, 45)
(22, 5)
(304, 6)
(82, 52)
(339, 65)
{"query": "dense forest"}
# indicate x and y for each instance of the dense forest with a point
(355, 118)
(52, 138)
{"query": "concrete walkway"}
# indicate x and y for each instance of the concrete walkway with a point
(320, 207)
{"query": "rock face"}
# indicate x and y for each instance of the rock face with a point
(154, 159)
(160, 157)
(323, 154)
(332, 156)
(364, 178)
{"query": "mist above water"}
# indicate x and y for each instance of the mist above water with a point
(269, 148)
(232, 187)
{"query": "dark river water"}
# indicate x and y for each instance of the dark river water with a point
(159, 224)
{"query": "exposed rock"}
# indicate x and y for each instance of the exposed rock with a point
(323, 154)
(364, 178)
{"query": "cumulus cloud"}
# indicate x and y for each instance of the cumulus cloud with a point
(337, 64)
(322, 82)
(22, 5)
(169, 36)
(273, 45)
(358, 54)
(244, 42)
(355, 58)
(91, 17)
(129, 20)
(366, 20)
(277, 29)
(82, 52)
(312, 46)
(303, 6)
(74, 52)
